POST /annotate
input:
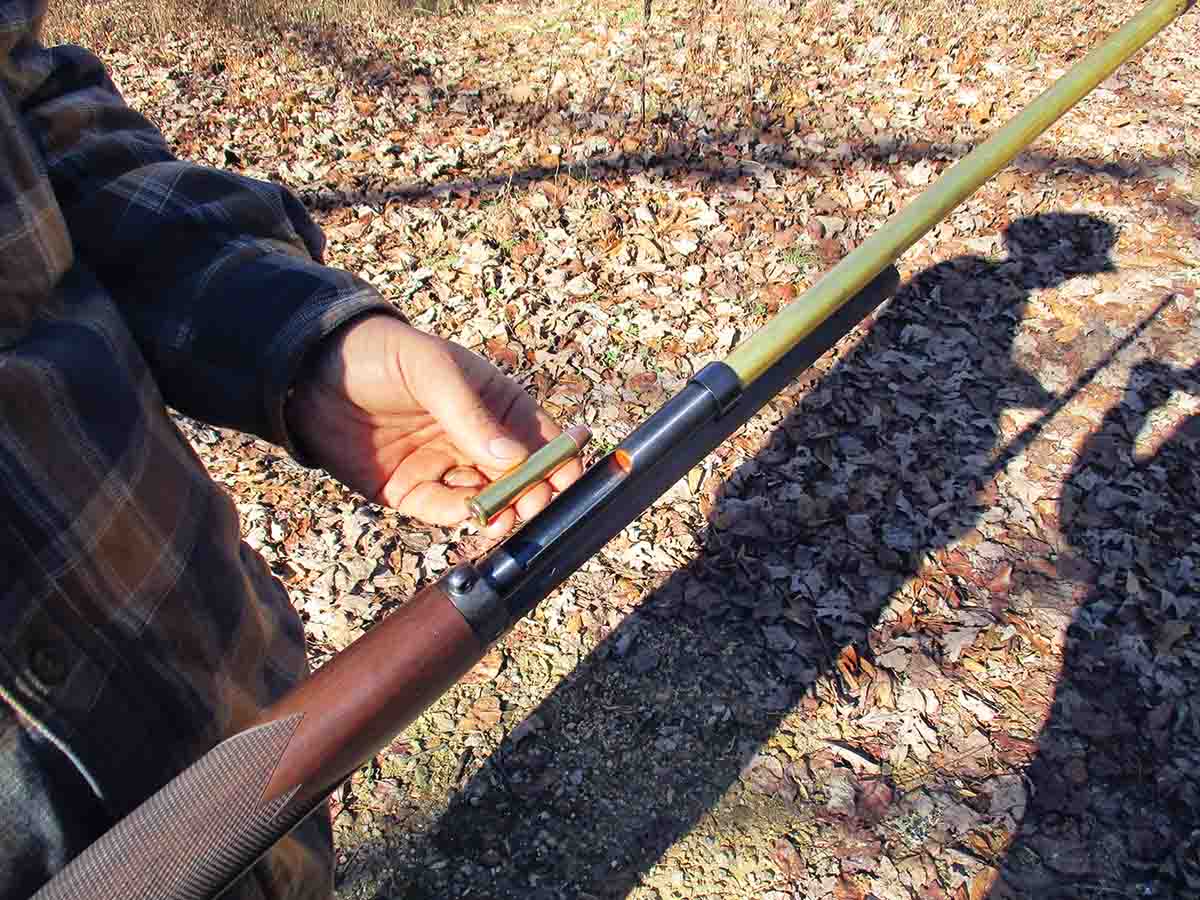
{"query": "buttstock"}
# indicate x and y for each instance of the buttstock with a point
(196, 835)
(200, 832)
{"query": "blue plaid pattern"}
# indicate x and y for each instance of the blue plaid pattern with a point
(136, 630)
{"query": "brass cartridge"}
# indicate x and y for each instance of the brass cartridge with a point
(512, 485)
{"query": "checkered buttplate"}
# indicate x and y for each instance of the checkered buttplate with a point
(194, 837)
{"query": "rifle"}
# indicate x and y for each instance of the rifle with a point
(200, 832)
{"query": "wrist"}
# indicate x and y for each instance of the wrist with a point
(318, 365)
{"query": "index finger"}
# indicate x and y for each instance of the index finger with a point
(567, 474)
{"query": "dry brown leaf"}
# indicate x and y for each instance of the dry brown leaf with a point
(874, 801)
(981, 884)
(788, 859)
(487, 668)
(1001, 582)
(484, 714)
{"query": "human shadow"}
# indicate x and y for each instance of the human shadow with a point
(879, 462)
(1114, 804)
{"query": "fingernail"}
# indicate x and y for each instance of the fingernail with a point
(505, 448)
(462, 476)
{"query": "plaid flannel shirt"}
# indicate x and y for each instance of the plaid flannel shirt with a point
(136, 629)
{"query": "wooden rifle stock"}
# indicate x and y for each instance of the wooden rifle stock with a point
(193, 838)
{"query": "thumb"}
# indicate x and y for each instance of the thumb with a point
(480, 409)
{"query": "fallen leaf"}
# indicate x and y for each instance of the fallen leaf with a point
(502, 353)
(1001, 582)
(784, 292)
(764, 775)
(1014, 750)
(874, 800)
(483, 715)
(982, 112)
(896, 659)
(1169, 634)
(840, 791)
(787, 858)
(920, 174)
(580, 286)
(642, 381)
(955, 642)
(957, 564)
(487, 668)
(847, 889)
(976, 707)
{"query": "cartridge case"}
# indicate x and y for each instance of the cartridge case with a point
(506, 490)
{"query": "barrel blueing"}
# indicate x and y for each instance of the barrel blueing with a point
(703, 399)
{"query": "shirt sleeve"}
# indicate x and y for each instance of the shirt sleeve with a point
(218, 275)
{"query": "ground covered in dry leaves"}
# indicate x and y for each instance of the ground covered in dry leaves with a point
(927, 627)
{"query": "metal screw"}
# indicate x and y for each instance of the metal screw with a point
(461, 579)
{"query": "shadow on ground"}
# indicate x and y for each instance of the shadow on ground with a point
(880, 462)
(727, 158)
(1114, 808)
(681, 144)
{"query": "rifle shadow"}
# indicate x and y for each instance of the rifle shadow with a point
(879, 463)
(1114, 805)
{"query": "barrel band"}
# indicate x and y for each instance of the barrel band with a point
(722, 382)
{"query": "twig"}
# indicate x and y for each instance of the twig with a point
(644, 38)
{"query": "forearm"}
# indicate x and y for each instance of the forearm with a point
(218, 276)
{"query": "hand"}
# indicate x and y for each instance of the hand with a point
(418, 423)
